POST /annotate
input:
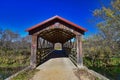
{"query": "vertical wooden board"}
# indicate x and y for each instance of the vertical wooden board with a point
(79, 50)
(33, 51)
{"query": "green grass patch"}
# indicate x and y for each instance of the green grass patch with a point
(25, 75)
(14, 61)
(111, 70)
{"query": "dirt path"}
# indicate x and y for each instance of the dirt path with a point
(56, 69)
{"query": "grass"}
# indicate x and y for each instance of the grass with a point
(12, 63)
(25, 75)
(111, 71)
(16, 60)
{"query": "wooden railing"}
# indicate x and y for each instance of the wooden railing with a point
(71, 52)
(73, 59)
(42, 54)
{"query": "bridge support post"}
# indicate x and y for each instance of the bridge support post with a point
(33, 61)
(79, 51)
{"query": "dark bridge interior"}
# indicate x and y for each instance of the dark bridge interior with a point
(55, 54)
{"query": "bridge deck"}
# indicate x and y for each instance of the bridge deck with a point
(56, 69)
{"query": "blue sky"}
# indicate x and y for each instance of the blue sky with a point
(18, 15)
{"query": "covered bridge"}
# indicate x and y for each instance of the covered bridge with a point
(56, 30)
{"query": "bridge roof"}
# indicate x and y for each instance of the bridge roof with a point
(57, 19)
(56, 29)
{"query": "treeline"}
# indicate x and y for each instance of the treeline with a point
(10, 40)
(14, 49)
(106, 43)
(102, 50)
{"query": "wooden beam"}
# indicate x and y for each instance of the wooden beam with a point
(56, 36)
(52, 32)
(79, 51)
(34, 42)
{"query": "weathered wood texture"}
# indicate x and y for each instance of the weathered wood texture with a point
(33, 51)
(56, 30)
(44, 47)
(70, 48)
(79, 50)
(59, 33)
(53, 20)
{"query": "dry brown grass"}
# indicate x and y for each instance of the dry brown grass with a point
(83, 74)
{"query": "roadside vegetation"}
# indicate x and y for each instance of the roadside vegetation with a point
(25, 75)
(14, 52)
(102, 50)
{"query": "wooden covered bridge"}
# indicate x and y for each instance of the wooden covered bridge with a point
(56, 30)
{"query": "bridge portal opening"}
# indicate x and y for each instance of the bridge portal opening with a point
(57, 46)
(54, 34)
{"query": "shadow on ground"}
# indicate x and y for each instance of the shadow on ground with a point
(54, 54)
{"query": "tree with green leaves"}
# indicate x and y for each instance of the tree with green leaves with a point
(106, 43)
(109, 25)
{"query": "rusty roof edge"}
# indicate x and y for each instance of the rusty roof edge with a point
(41, 23)
(71, 23)
(54, 17)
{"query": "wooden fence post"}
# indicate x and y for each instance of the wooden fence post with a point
(33, 61)
(79, 51)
